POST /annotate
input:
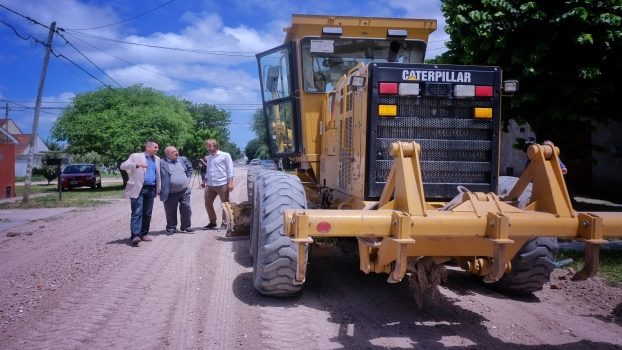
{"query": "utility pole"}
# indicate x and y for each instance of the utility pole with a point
(35, 122)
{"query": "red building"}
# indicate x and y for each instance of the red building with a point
(8, 143)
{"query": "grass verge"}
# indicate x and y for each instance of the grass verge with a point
(610, 263)
(46, 196)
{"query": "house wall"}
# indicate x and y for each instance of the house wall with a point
(607, 160)
(7, 171)
(21, 160)
(21, 164)
(512, 160)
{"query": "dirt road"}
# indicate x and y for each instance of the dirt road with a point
(73, 281)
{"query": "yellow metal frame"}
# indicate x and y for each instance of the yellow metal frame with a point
(483, 225)
(313, 105)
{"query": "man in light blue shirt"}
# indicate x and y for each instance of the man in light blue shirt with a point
(142, 187)
(218, 180)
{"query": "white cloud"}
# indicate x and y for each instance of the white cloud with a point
(134, 75)
(221, 96)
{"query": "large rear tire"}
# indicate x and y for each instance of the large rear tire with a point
(258, 176)
(251, 178)
(276, 255)
(531, 267)
(250, 181)
(533, 264)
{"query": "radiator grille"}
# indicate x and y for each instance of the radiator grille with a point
(455, 147)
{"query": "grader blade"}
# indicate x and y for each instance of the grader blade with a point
(237, 218)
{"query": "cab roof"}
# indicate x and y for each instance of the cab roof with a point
(358, 27)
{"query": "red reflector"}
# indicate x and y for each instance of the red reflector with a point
(323, 227)
(483, 91)
(388, 88)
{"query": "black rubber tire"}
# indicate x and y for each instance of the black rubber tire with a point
(250, 181)
(257, 177)
(534, 262)
(276, 255)
(531, 267)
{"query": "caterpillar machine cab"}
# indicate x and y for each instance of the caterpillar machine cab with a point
(381, 142)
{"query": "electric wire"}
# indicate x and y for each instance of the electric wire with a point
(201, 51)
(126, 20)
(88, 59)
(26, 107)
(25, 17)
(82, 69)
(152, 71)
(20, 36)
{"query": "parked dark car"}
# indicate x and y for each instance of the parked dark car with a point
(80, 175)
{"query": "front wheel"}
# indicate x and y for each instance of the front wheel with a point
(276, 255)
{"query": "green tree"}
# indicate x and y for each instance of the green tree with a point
(115, 123)
(258, 125)
(566, 57)
(257, 147)
(565, 54)
(49, 172)
(252, 147)
(209, 122)
(89, 158)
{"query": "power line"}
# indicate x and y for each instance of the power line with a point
(51, 51)
(207, 52)
(248, 105)
(82, 69)
(21, 37)
(23, 106)
(152, 71)
(83, 55)
(30, 101)
(126, 20)
(25, 17)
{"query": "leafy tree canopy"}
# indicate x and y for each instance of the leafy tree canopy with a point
(115, 123)
(209, 122)
(257, 147)
(566, 55)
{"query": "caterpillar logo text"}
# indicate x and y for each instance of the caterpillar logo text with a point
(437, 76)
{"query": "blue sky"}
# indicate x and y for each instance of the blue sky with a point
(218, 66)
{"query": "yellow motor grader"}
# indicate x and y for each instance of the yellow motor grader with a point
(381, 144)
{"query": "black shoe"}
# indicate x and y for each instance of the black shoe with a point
(223, 227)
(135, 240)
(210, 226)
(170, 231)
(188, 229)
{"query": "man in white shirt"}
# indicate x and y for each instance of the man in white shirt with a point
(218, 180)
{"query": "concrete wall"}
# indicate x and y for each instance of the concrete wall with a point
(513, 160)
(607, 165)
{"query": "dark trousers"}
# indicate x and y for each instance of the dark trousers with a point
(181, 200)
(141, 211)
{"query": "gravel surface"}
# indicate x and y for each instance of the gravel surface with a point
(73, 281)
